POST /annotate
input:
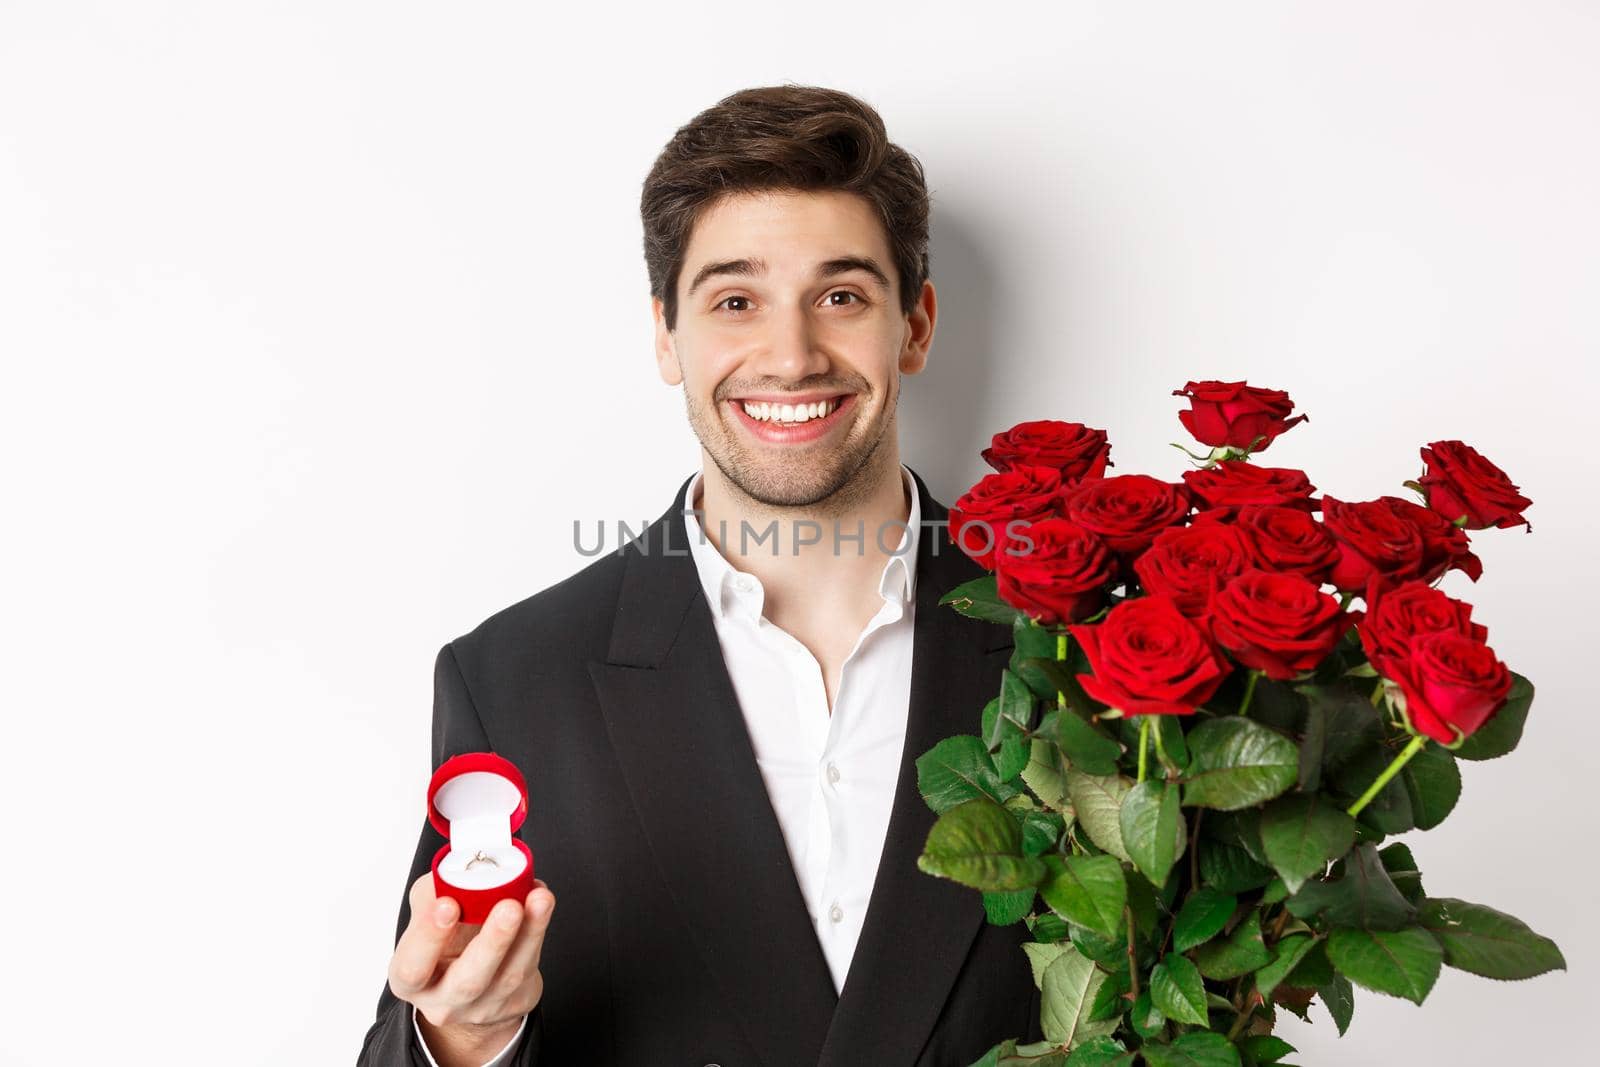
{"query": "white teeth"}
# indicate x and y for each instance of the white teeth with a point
(789, 413)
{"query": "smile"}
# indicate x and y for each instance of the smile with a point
(788, 423)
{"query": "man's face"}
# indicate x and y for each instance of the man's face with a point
(790, 342)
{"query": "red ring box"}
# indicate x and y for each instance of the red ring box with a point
(478, 800)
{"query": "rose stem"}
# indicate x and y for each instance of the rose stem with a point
(1144, 739)
(1133, 956)
(1249, 691)
(1389, 772)
(1061, 654)
(1161, 752)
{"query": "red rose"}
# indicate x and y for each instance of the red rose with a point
(1235, 483)
(1372, 540)
(1055, 571)
(1279, 624)
(979, 520)
(1147, 658)
(1189, 563)
(1070, 447)
(1451, 684)
(1235, 414)
(1127, 511)
(1289, 540)
(1459, 481)
(1444, 544)
(1398, 613)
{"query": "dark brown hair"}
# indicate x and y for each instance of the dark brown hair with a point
(782, 137)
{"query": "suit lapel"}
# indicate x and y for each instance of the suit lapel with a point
(680, 738)
(681, 742)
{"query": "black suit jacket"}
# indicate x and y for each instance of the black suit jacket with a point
(681, 937)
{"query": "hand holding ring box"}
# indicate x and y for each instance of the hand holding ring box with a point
(478, 800)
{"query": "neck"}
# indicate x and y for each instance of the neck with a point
(810, 550)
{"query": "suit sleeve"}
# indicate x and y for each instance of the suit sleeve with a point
(391, 1041)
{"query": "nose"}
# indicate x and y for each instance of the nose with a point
(789, 348)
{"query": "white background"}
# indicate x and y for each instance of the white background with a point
(322, 322)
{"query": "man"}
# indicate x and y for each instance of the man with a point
(719, 723)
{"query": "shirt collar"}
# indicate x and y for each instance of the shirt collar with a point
(731, 591)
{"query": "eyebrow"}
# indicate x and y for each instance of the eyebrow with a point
(754, 268)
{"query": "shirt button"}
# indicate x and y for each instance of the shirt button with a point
(833, 774)
(836, 913)
(744, 583)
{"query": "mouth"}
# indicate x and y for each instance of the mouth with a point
(779, 422)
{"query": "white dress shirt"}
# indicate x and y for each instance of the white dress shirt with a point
(831, 777)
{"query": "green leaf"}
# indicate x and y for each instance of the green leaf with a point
(1313, 971)
(979, 599)
(1087, 890)
(958, 769)
(1041, 954)
(1433, 784)
(1402, 870)
(1070, 983)
(1360, 896)
(1005, 908)
(1012, 759)
(1243, 951)
(1238, 828)
(1287, 955)
(1038, 1054)
(1504, 729)
(1340, 1000)
(1029, 638)
(1265, 1048)
(1193, 1050)
(1108, 952)
(1487, 942)
(1086, 748)
(1178, 990)
(1201, 918)
(1016, 702)
(1236, 763)
(1152, 828)
(1349, 722)
(1302, 834)
(1040, 831)
(1045, 775)
(1101, 1052)
(1145, 1018)
(1097, 802)
(1402, 963)
(1048, 926)
(1169, 728)
(1111, 999)
(1229, 868)
(979, 844)
(1390, 810)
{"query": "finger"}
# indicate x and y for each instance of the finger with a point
(525, 951)
(470, 973)
(416, 954)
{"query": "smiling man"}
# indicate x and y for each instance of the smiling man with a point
(719, 723)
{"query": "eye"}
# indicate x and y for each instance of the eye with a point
(737, 310)
(854, 297)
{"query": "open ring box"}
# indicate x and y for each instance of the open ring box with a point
(478, 800)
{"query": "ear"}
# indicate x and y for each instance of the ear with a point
(920, 320)
(666, 346)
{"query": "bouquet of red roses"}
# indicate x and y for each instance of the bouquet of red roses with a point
(1199, 747)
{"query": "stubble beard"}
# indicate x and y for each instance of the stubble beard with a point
(826, 482)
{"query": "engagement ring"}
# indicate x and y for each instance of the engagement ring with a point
(482, 857)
